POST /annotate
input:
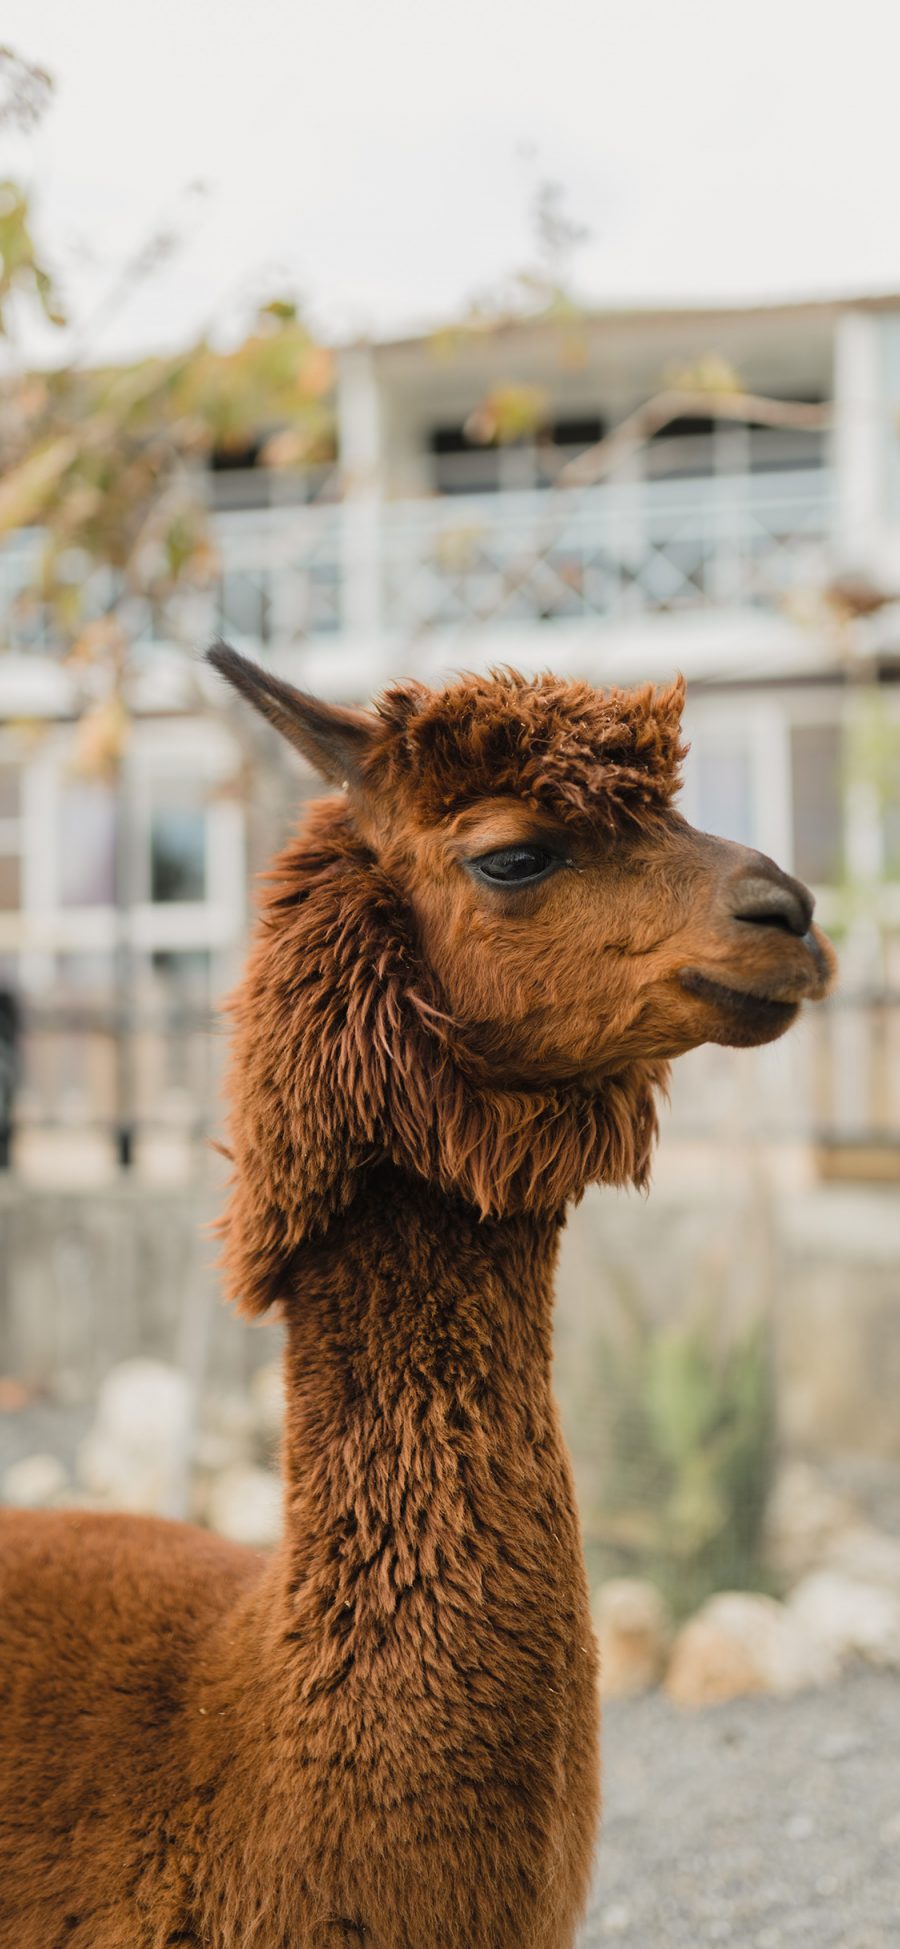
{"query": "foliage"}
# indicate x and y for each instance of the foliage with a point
(25, 90)
(543, 288)
(509, 413)
(22, 274)
(687, 1421)
(711, 374)
(107, 462)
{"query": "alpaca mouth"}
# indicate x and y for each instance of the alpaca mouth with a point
(753, 1017)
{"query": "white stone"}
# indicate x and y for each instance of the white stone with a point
(849, 1619)
(634, 1631)
(615, 1919)
(144, 1404)
(34, 1481)
(244, 1504)
(740, 1643)
(136, 1454)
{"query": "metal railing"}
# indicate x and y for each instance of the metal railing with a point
(288, 572)
(607, 552)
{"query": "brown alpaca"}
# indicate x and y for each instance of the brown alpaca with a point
(471, 970)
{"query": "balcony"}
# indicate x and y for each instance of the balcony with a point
(456, 563)
(604, 554)
(399, 570)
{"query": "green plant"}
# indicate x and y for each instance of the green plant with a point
(686, 1423)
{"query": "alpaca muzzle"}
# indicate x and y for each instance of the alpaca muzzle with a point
(768, 956)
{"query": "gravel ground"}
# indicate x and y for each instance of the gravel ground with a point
(764, 1824)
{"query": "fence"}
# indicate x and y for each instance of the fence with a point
(606, 553)
(294, 572)
(149, 1075)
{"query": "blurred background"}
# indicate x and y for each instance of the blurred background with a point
(394, 346)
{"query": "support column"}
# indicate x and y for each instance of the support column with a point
(361, 457)
(859, 441)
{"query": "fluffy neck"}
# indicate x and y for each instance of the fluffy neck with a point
(431, 1583)
(417, 1665)
(417, 1373)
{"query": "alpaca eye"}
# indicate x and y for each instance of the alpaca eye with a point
(515, 866)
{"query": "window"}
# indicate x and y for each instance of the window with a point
(723, 787)
(817, 794)
(177, 853)
(461, 465)
(87, 844)
(682, 449)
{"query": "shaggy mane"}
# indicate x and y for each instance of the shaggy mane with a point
(344, 1057)
(595, 759)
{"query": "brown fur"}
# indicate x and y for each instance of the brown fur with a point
(387, 1733)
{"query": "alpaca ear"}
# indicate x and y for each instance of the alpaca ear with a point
(334, 740)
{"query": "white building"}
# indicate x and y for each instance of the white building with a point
(709, 547)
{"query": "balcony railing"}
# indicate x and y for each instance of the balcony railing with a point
(606, 553)
(456, 562)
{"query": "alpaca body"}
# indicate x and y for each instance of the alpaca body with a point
(471, 971)
(387, 1733)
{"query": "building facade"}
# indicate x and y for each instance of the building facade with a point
(503, 496)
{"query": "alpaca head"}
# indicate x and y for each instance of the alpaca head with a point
(562, 930)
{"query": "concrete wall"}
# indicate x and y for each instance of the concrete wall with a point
(746, 1235)
(88, 1278)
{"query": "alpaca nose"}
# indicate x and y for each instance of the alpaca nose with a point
(767, 901)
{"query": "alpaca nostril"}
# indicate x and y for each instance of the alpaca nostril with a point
(773, 903)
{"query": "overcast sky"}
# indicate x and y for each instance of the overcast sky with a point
(381, 155)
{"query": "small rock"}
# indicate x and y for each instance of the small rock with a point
(615, 1919)
(634, 1632)
(134, 1456)
(244, 1504)
(740, 1644)
(144, 1404)
(709, 1666)
(34, 1481)
(849, 1619)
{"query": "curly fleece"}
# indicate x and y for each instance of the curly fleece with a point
(592, 758)
(385, 1733)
